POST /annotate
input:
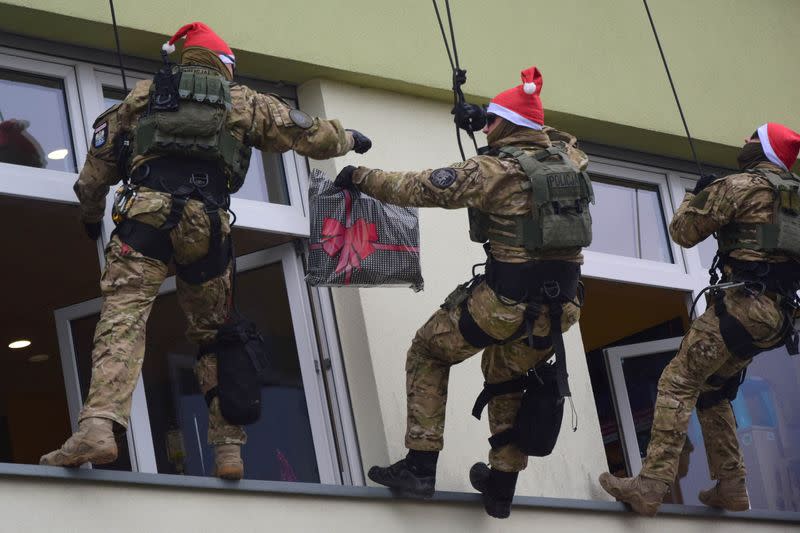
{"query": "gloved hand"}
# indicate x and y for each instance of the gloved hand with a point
(361, 143)
(469, 117)
(344, 179)
(704, 182)
(92, 229)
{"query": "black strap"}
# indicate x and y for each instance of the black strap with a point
(504, 438)
(175, 213)
(146, 239)
(562, 376)
(728, 389)
(217, 259)
(490, 390)
(737, 339)
(471, 331)
(211, 394)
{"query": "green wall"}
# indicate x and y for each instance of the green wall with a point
(733, 61)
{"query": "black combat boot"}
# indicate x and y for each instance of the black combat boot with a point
(496, 487)
(414, 476)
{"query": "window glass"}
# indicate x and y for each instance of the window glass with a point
(37, 279)
(34, 122)
(768, 428)
(628, 220)
(265, 180)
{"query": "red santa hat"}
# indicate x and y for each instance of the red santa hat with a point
(780, 144)
(199, 34)
(521, 105)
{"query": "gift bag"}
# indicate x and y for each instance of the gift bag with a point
(357, 241)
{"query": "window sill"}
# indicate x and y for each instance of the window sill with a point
(45, 473)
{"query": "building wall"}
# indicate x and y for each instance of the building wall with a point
(29, 506)
(602, 74)
(413, 133)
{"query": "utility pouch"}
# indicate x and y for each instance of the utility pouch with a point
(540, 414)
(460, 294)
(242, 369)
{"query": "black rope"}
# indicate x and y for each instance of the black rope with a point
(674, 91)
(459, 75)
(119, 49)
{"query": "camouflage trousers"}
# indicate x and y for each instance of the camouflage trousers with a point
(438, 345)
(129, 286)
(702, 354)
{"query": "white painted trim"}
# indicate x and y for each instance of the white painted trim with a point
(614, 358)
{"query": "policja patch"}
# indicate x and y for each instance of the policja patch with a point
(100, 135)
(443, 177)
(302, 120)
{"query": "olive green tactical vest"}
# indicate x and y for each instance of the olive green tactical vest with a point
(781, 236)
(560, 197)
(198, 128)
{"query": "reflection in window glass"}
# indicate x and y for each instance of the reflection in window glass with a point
(266, 177)
(768, 428)
(628, 220)
(34, 122)
(279, 446)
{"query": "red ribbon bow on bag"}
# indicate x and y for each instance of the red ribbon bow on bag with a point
(353, 243)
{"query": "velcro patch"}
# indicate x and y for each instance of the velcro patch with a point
(302, 120)
(443, 178)
(100, 135)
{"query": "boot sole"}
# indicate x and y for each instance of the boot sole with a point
(405, 491)
(734, 508)
(636, 502)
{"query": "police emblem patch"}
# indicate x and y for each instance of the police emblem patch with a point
(443, 177)
(302, 120)
(100, 135)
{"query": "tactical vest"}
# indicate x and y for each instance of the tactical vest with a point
(782, 236)
(560, 197)
(198, 127)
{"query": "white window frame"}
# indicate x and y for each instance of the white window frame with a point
(140, 438)
(42, 183)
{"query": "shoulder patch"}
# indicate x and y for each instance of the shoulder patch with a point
(459, 164)
(102, 118)
(100, 135)
(301, 119)
(443, 178)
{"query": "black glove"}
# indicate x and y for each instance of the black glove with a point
(469, 117)
(704, 182)
(344, 179)
(92, 229)
(361, 143)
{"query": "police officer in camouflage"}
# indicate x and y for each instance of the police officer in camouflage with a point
(499, 307)
(181, 144)
(756, 217)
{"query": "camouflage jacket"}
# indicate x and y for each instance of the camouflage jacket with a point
(491, 184)
(745, 197)
(265, 116)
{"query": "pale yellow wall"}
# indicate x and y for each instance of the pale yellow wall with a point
(412, 133)
(734, 61)
(33, 506)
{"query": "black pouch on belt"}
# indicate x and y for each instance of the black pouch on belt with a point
(242, 369)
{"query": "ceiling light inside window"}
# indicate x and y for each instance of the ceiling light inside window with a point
(61, 153)
(21, 343)
(38, 358)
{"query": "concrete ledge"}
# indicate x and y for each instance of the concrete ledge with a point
(45, 473)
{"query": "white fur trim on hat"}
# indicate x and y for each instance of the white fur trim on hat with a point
(763, 136)
(512, 116)
(228, 60)
(168, 48)
(529, 87)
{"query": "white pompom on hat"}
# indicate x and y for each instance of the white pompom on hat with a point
(780, 144)
(200, 34)
(521, 105)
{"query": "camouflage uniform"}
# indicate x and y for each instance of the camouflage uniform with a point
(131, 281)
(492, 185)
(739, 198)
